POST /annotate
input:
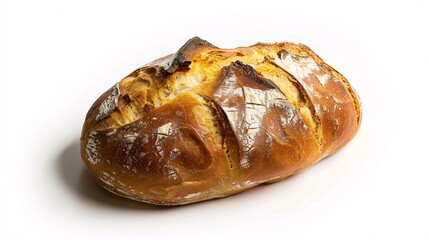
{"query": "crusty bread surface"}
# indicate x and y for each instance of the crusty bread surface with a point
(207, 122)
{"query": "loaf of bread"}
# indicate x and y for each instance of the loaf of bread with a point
(207, 122)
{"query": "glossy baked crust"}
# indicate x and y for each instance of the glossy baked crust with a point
(207, 122)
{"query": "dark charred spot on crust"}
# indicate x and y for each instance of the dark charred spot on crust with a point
(177, 62)
(126, 98)
(195, 43)
(282, 53)
(180, 60)
(248, 76)
(248, 70)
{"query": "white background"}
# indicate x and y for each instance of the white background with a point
(58, 57)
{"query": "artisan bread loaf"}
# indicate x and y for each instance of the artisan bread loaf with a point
(207, 122)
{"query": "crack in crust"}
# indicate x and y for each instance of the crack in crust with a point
(229, 141)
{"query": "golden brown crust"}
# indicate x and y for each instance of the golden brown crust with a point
(207, 122)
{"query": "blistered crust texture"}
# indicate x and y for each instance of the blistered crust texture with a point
(207, 122)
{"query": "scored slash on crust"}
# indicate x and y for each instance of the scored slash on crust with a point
(109, 104)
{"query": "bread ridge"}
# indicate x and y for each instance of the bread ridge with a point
(309, 111)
